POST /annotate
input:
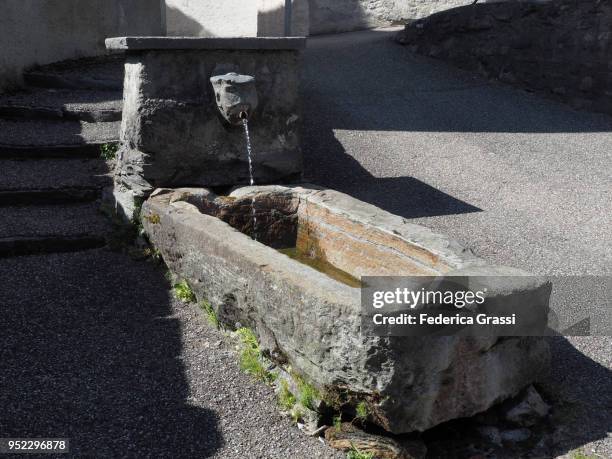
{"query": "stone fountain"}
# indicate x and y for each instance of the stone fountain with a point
(298, 285)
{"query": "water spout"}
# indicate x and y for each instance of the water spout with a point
(236, 96)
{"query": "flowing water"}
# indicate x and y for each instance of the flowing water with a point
(247, 135)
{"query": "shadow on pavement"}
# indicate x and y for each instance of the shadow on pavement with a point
(582, 389)
(328, 164)
(89, 352)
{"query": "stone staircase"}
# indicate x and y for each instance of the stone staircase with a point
(51, 169)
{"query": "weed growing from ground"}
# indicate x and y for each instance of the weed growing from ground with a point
(211, 315)
(108, 151)
(183, 292)
(338, 422)
(361, 411)
(250, 356)
(307, 393)
(286, 399)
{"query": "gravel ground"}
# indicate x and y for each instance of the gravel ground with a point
(521, 180)
(92, 347)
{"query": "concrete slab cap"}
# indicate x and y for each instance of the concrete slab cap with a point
(177, 43)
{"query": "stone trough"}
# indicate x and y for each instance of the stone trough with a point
(297, 287)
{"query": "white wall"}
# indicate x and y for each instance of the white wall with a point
(211, 18)
(234, 18)
(34, 32)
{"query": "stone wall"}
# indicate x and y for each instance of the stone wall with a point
(331, 16)
(562, 49)
(36, 32)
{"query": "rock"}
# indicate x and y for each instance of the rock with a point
(348, 437)
(407, 383)
(515, 435)
(307, 419)
(491, 434)
(528, 410)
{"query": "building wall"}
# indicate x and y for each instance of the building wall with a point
(239, 18)
(331, 16)
(271, 18)
(35, 32)
(211, 18)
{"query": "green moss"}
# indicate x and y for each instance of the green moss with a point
(211, 315)
(354, 453)
(108, 151)
(183, 292)
(582, 455)
(286, 399)
(154, 219)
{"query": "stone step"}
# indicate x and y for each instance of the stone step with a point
(55, 139)
(66, 104)
(103, 73)
(45, 229)
(52, 181)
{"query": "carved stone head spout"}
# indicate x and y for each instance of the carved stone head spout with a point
(236, 96)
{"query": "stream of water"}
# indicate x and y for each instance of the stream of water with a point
(247, 135)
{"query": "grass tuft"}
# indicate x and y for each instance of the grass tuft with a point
(337, 421)
(211, 315)
(361, 411)
(250, 356)
(183, 292)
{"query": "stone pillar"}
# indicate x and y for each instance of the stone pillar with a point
(172, 133)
